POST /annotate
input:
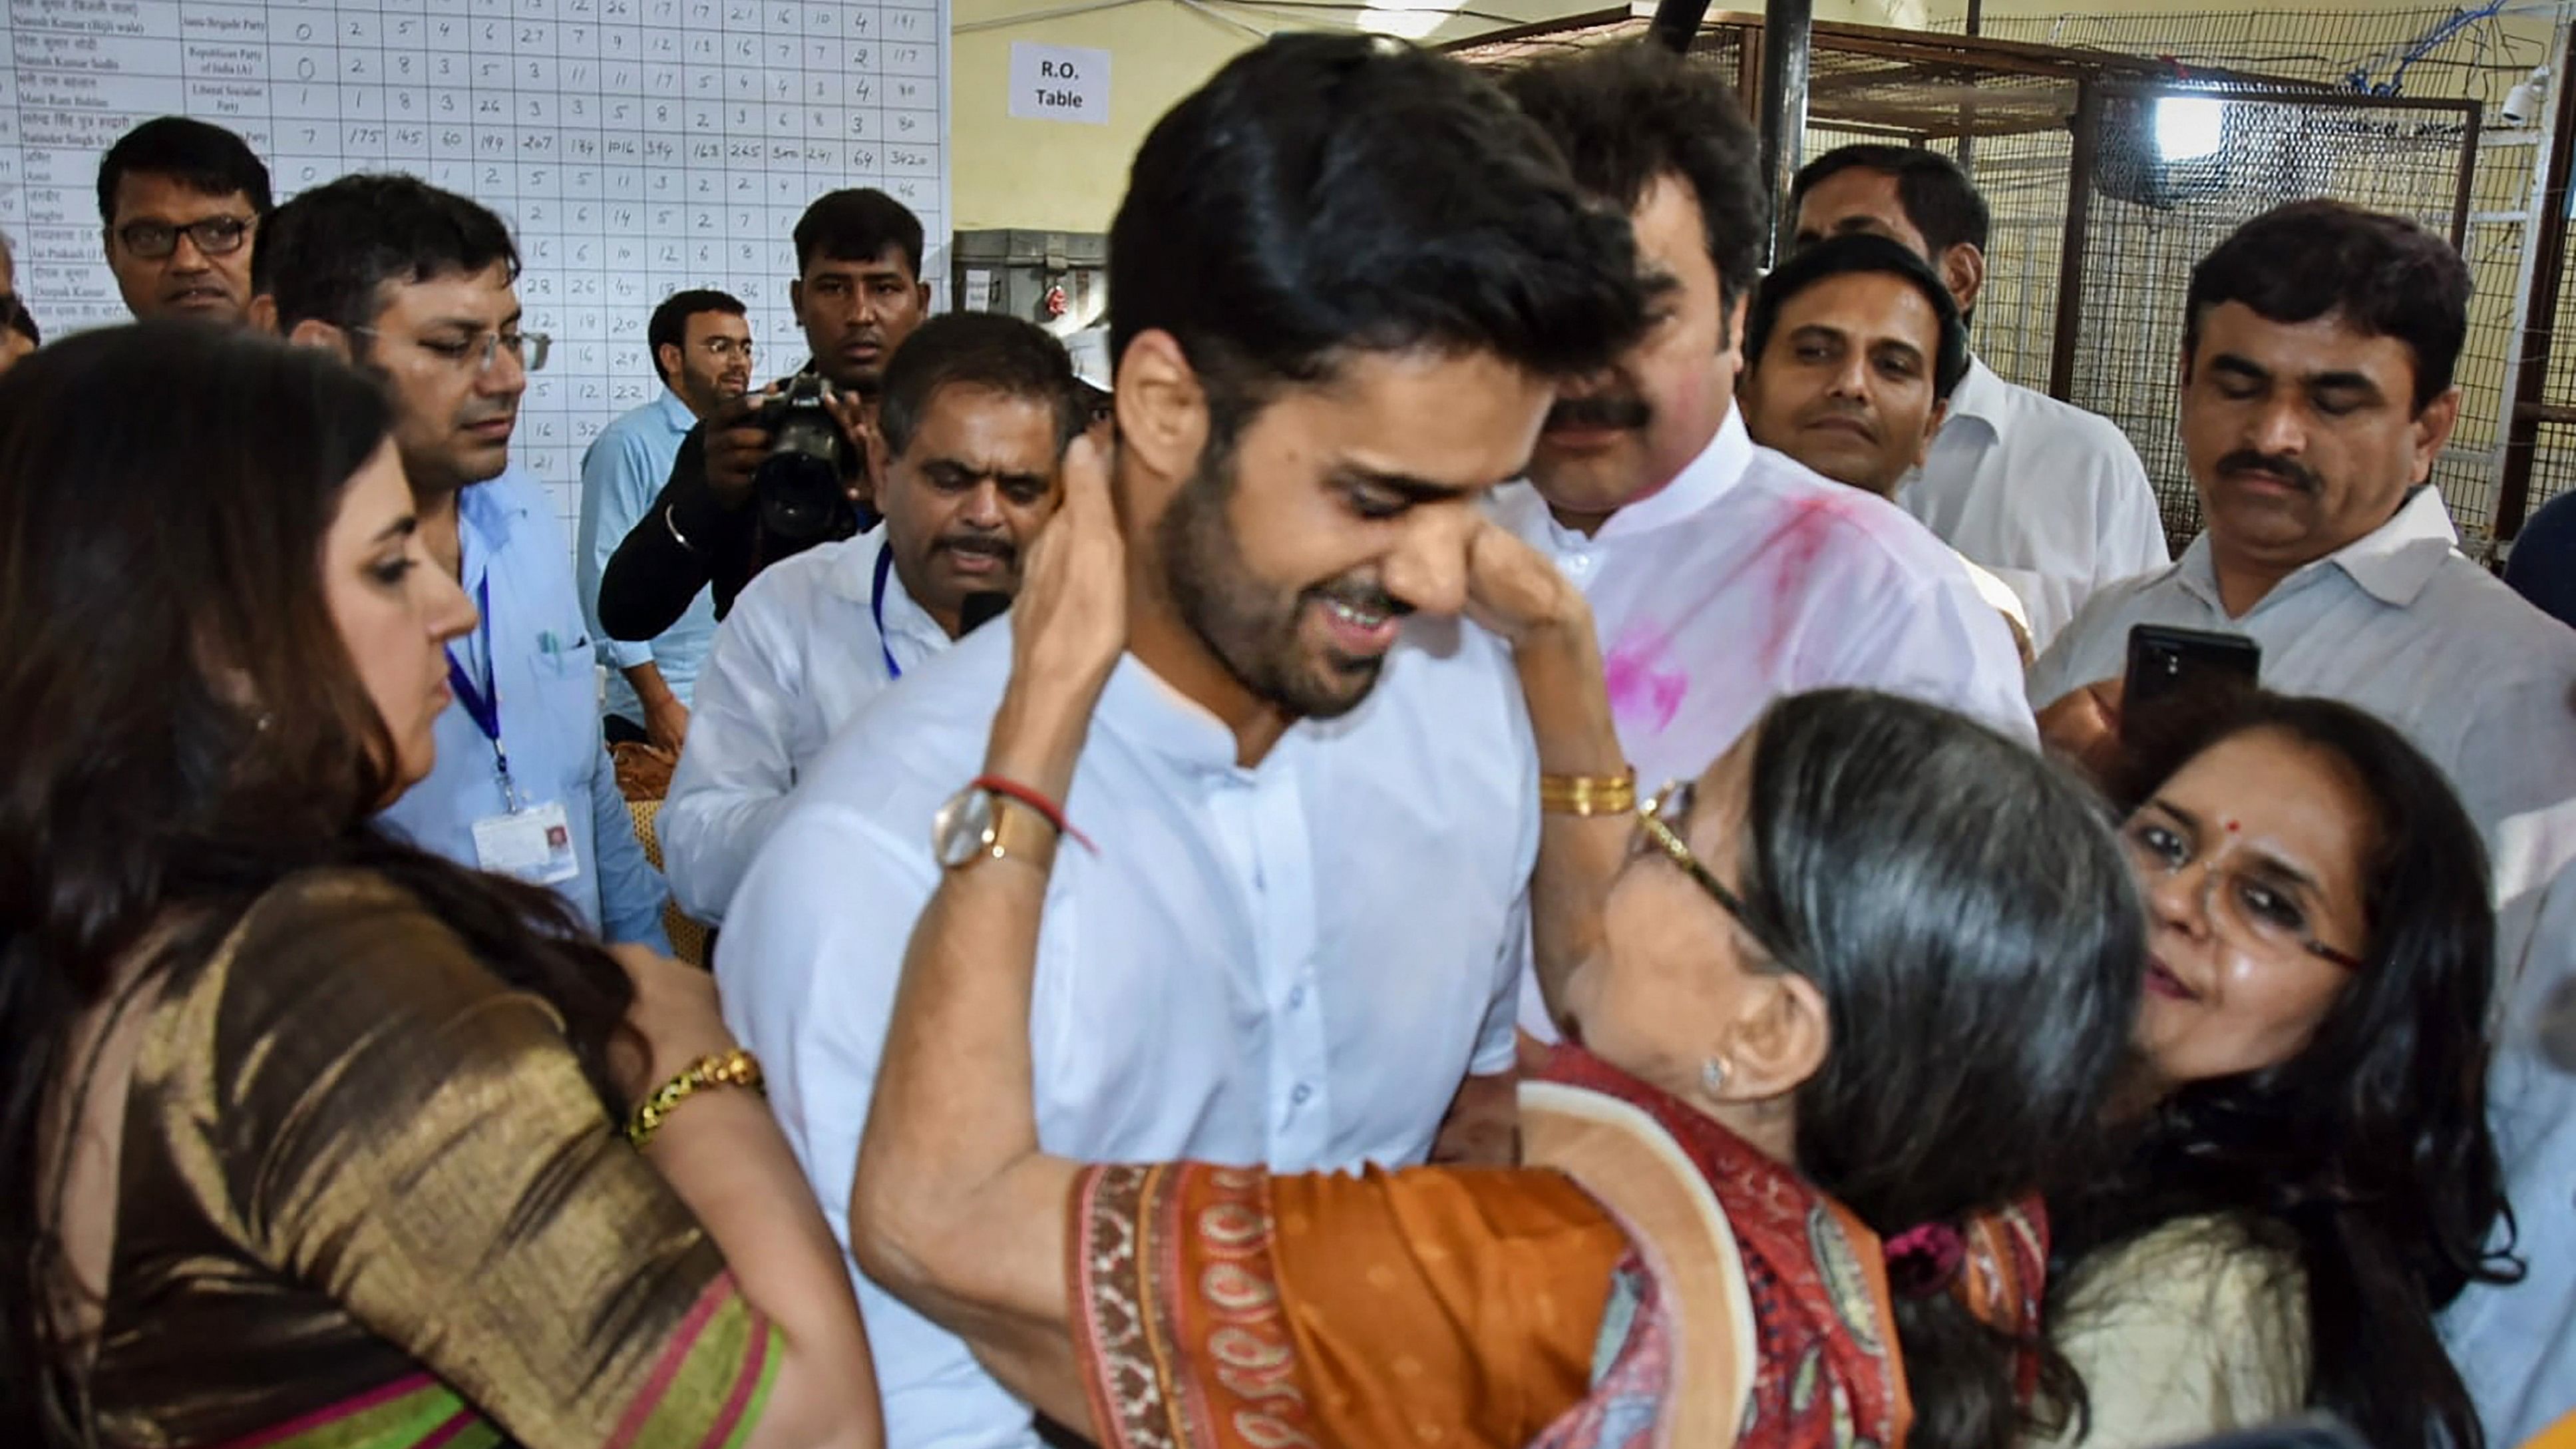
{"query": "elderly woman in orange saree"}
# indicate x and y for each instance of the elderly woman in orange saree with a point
(1847, 998)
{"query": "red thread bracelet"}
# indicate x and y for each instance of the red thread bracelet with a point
(1054, 814)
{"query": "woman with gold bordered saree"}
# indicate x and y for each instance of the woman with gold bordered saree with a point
(309, 1140)
(1843, 1002)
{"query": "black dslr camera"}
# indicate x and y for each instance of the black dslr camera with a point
(799, 485)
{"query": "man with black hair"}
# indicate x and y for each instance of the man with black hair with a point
(700, 343)
(1851, 353)
(858, 293)
(2318, 348)
(2050, 497)
(1721, 574)
(180, 200)
(418, 288)
(971, 431)
(1349, 276)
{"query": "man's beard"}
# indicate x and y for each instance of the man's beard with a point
(1252, 629)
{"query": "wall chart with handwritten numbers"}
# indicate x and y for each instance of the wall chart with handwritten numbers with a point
(636, 147)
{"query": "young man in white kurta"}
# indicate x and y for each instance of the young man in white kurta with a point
(1292, 928)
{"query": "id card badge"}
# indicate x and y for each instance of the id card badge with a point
(534, 845)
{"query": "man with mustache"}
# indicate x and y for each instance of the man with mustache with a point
(700, 343)
(418, 288)
(858, 294)
(970, 433)
(1721, 574)
(1349, 276)
(1851, 354)
(2318, 346)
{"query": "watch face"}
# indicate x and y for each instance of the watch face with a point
(963, 828)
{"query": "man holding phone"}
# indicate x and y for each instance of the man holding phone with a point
(2316, 394)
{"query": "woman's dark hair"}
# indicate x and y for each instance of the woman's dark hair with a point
(1967, 914)
(2366, 1157)
(184, 730)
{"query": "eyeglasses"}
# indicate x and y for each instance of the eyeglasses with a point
(726, 349)
(2255, 913)
(1654, 829)
(478, 353)
(215, 236)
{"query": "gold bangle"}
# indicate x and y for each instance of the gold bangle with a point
(1588, 795)
(736, 1068)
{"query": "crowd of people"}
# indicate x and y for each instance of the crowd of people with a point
(1526, 832)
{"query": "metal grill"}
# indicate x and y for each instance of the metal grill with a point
(2108, 177)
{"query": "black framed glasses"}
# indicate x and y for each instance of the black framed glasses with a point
(214, 236)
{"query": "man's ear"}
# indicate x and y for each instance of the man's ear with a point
(313, 332)
(1931, 430)
(1162, 406)
(1963, 271)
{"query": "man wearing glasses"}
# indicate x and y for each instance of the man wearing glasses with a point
(419, 288)
(701, 345)
(181, 200)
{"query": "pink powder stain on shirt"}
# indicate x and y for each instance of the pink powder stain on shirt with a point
(1644, 690)
(1796, 547)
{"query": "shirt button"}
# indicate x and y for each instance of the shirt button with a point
(1296, 998)
(1299, 1096)
(1580, 563)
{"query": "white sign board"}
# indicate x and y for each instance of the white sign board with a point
(636, 147)
(1059, 83)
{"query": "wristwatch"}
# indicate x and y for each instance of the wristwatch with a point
(980, 823)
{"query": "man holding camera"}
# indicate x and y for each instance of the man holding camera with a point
(755, 482)
(970, 432)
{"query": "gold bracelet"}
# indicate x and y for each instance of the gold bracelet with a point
(1588, 795)
(736, 1068)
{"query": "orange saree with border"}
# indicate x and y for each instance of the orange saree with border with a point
(1224, 1308)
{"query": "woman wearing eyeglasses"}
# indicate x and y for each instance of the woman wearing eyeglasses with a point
(1854, 990)
(2309, 1176)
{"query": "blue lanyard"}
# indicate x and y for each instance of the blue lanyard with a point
(876, 606)
(482, 700)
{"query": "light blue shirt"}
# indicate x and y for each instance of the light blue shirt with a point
(621, 475)
(543, 671)
(1294, 964)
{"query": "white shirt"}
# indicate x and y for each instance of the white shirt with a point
(2401, 624)
(1293, 965)
(1749, 577)
(2050, 497)
(794, 661)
